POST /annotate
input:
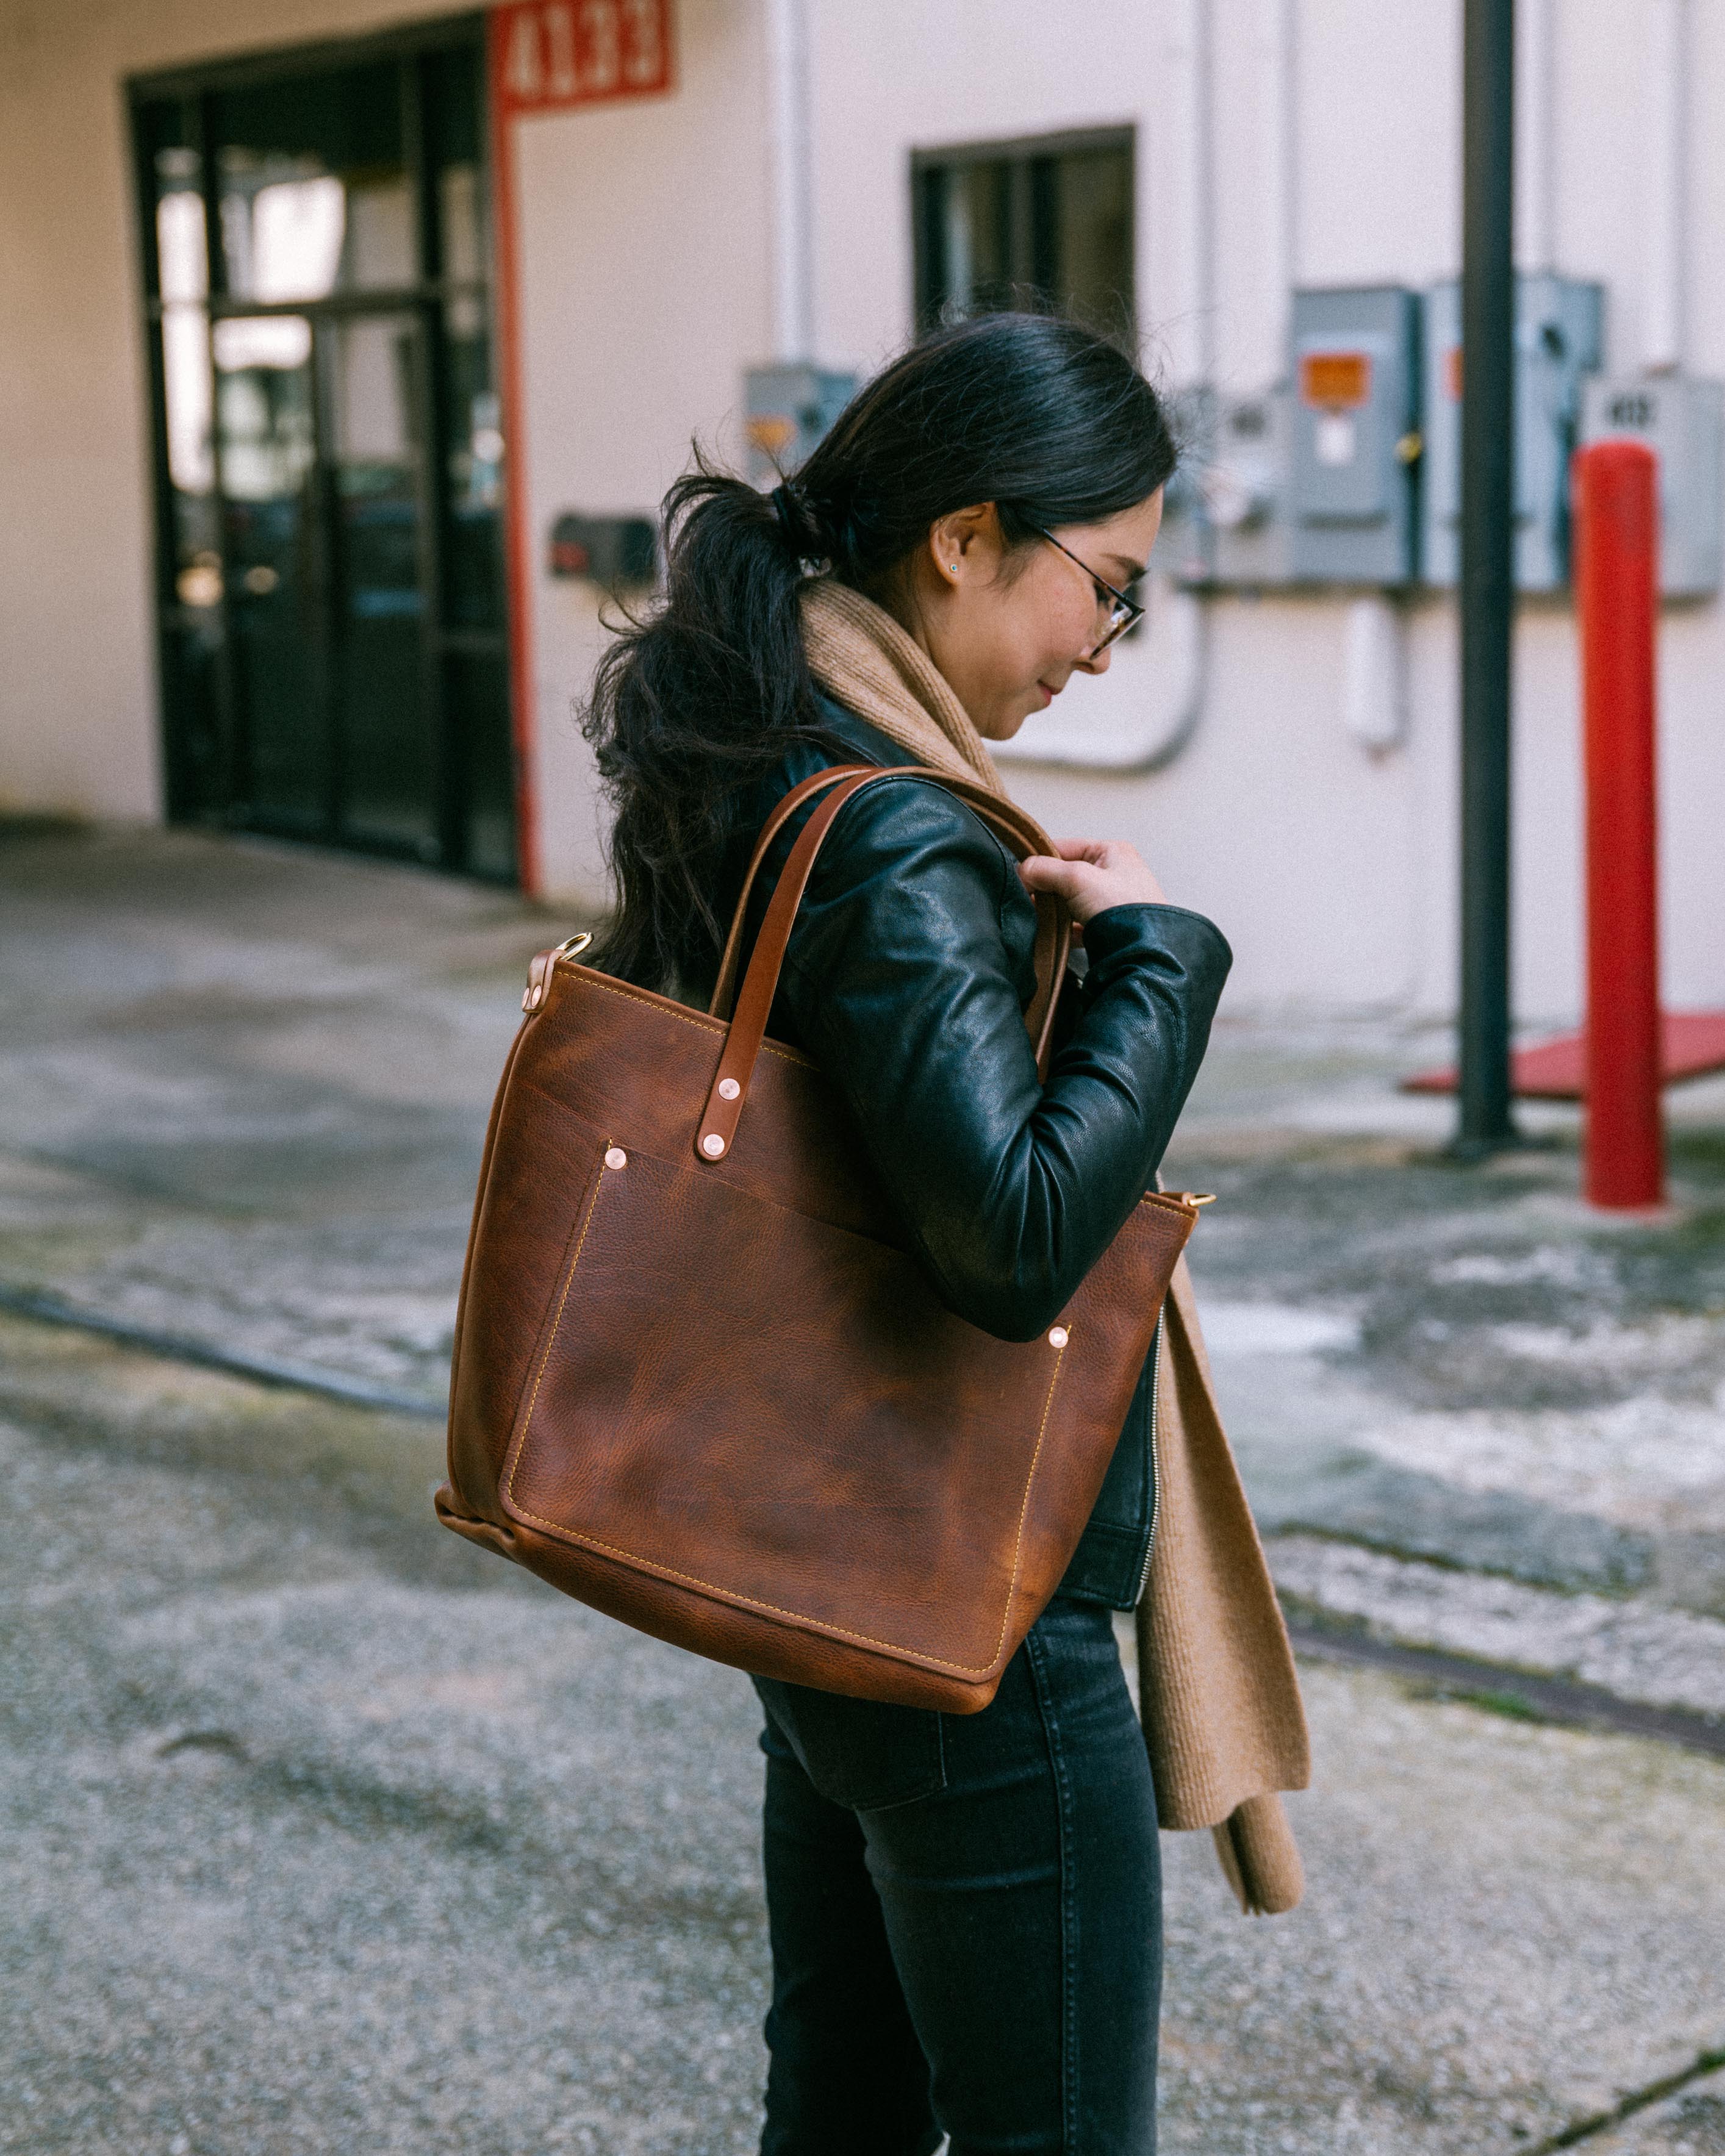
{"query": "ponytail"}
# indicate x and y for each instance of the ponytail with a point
(709, 691)
(690, 706)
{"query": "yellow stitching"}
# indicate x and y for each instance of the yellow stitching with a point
(690, 1018)
(729, 1594)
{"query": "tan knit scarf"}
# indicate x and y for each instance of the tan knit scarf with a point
(858, 654)
(1218, 1696)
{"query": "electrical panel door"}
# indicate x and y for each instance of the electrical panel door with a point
(1682, 420)
(1354, 443)
(786, 410)
(1558, 325)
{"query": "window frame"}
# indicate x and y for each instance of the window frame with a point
(1020, 154)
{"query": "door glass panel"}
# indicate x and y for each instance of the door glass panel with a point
(476, 690)
(470, 414)
(473, 439)
(176, 259)
(388, 756)
(266, 443)
(456, 156)
(315, 197)
(188, 397)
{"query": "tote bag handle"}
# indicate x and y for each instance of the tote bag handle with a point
(748, 1028)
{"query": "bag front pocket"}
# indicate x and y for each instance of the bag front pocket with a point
(764, 1408)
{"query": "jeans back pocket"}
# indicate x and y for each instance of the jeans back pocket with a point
(862, 1753)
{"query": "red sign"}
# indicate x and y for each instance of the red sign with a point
(549, 54)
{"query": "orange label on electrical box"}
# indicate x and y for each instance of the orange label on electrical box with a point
(549, 54)
(1452, 373)
(1335, 379)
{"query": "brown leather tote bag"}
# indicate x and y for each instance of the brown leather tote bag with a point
(700, 1382)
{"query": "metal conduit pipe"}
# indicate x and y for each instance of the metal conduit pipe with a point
(1178, 621)
(791, 180)
(1536, 136)
(1278, 73)
(1667, 166)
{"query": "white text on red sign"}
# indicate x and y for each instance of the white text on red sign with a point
(551, 54)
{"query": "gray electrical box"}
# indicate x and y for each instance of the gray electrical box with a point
(613, 552)
(1353, 444)
(1246, 488)
(1683, 422)
(1558, 325)
(1225, 517)
(1183, 543)
(786, 411)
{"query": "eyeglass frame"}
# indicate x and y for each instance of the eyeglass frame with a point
(1132, 613)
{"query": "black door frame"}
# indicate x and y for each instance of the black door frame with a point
(192, 87)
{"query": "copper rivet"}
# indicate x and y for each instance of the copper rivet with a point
(728, 1088)
(1057, 1338)
(537, 998)
(713, 1145)
(615, 1157)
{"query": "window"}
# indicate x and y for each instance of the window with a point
(1045, 223)
(329, 439)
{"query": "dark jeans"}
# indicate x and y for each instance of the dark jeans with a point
(966, 1914)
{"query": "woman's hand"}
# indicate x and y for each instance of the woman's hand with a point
(1092, 875)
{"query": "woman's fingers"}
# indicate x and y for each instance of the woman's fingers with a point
(1091, 875)
(1072, 880)
(1045, 872)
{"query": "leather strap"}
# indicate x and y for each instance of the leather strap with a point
(725, 992)
(748, 1028)
(1023, 834)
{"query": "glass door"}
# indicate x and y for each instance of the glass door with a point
(386, 758)
(272, 569)
(329, 449)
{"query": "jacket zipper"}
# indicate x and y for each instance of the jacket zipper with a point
(1155, 1462)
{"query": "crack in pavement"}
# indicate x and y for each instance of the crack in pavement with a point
(1502, 1686)
(1602, 2121)
(48, 1309)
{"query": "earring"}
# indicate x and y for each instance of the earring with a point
(955, 568)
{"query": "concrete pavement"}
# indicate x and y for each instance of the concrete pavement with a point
(323, 1832)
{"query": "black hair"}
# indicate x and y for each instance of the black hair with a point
(710, 691)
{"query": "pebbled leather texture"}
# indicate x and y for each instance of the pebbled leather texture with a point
(758, 1405)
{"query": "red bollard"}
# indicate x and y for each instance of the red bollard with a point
(1616, 557)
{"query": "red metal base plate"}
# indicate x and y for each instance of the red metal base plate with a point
(1692, 1045)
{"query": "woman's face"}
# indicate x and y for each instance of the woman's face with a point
(1009, 630)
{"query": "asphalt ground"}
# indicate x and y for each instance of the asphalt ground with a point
(323, 1831)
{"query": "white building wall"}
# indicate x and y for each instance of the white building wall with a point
(78, 710)
(644, 295)
(1332, 868)
(646, 265)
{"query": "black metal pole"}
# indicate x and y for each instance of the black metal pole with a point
(1487, 565)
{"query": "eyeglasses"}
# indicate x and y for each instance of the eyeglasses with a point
(1122, 613)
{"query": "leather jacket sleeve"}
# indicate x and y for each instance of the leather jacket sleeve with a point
(907, 978)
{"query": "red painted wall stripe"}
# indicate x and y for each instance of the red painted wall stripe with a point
(518, 549)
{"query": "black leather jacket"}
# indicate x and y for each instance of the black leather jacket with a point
(907, 978)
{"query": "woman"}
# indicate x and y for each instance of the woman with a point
(964, 1910)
